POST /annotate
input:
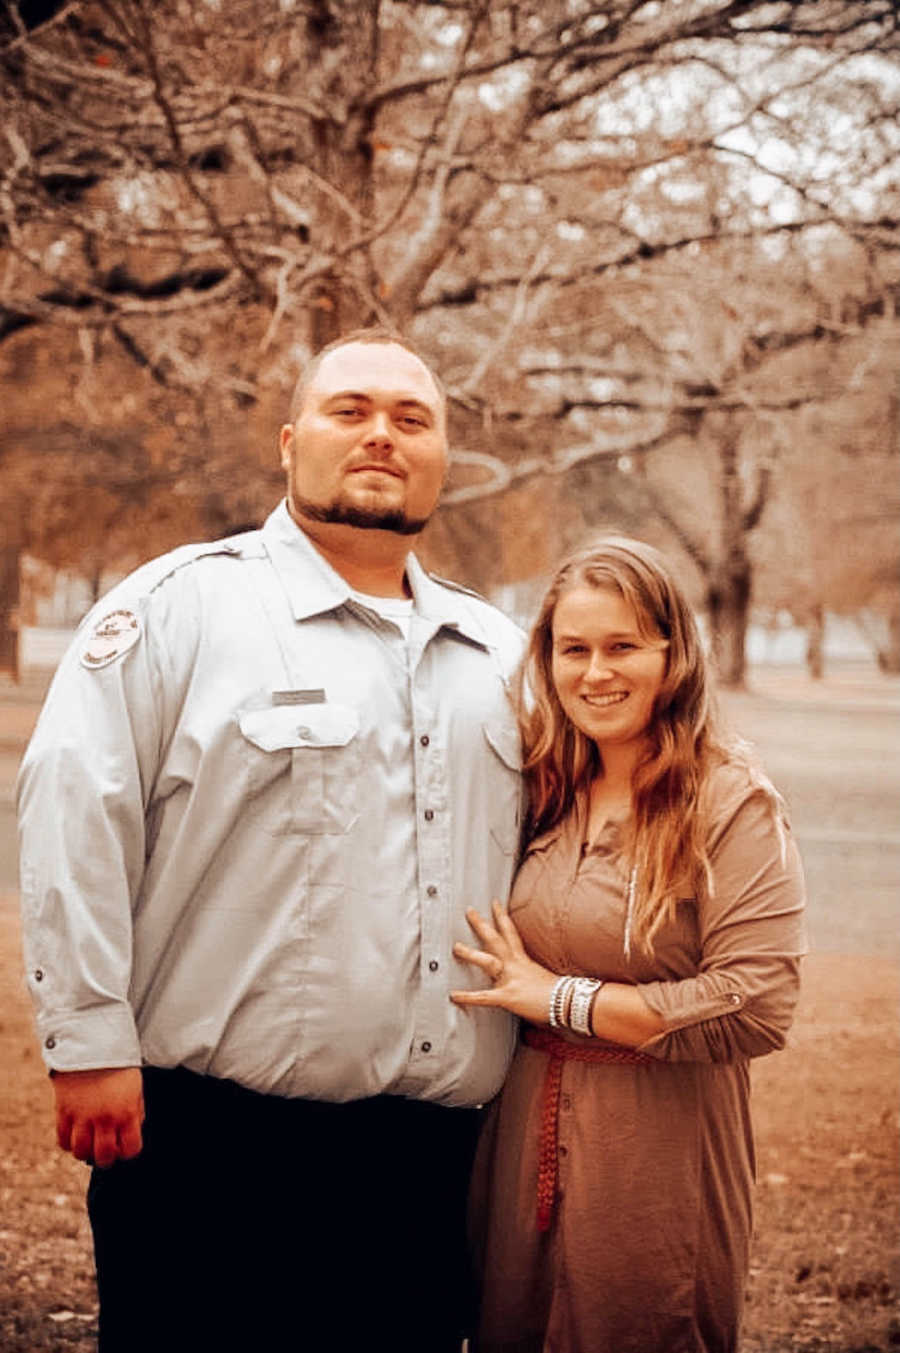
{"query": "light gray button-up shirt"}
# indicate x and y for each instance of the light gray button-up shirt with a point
(252, 817)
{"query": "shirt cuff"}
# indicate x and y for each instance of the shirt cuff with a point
(89, 1040)
(681, 1004)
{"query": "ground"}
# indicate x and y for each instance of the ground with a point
(825, 1271)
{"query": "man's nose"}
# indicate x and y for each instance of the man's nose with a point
(378, 432)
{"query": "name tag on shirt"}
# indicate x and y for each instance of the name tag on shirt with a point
(316, 697)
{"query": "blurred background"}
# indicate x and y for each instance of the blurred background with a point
(653, 250)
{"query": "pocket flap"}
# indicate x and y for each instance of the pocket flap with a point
(505, 740)
(286, 726)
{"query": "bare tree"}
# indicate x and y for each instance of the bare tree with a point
(832, 544)
(207, 192)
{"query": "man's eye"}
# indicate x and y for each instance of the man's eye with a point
(623, 647)
(410, 420)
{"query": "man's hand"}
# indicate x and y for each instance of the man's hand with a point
(99, 1113)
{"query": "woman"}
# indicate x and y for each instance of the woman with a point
(651, 948)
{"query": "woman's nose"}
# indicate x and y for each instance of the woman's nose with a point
(599, 668)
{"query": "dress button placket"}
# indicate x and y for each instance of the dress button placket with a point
(563, 1129)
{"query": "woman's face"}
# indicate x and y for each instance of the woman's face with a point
(606, 675)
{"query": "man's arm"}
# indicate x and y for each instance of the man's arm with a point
(99, 1113)
(84, 787)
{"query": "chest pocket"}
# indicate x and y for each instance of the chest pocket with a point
(302, 767)
(505, 787)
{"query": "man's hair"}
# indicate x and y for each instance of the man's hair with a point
(375, 334)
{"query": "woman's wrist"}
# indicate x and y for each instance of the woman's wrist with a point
(571, 1004)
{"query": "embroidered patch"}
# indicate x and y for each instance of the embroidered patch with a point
(113, 636)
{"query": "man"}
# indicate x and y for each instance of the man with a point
(270, 775)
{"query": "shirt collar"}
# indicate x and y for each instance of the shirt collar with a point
(443, 605)
(314, 587)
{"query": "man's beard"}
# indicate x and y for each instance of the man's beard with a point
(363, 518)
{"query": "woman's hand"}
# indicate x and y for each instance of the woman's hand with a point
(519, 984)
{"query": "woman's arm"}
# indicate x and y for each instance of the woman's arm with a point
(620, 1013)
(752, 935)
(739, 1004)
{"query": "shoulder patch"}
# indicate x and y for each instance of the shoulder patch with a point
(110, 638)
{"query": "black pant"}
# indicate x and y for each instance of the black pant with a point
(250, 1224)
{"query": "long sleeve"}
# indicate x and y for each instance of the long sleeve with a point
(752, 936)
(83, 791)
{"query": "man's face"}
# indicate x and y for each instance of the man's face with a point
(368, 447)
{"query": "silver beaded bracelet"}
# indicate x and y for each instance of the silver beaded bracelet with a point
(558, 998)
(572, 1003)
(582, 1005)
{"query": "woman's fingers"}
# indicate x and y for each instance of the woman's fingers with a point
(489, 996)
(499, 936)
(506, 928)
(487, 962)
(485, 932)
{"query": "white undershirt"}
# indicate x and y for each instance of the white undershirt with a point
(396, 609)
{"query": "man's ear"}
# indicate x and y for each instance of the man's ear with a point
(286, 444)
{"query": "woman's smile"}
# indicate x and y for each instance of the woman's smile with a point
(597, 642)
(602, 701)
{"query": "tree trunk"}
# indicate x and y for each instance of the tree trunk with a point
(730, 584)
(728, 607)
(9, 607)
(815, 643)
(344, 154)
(889, 655)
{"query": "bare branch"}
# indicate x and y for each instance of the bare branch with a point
(503, 476)
(514, 321)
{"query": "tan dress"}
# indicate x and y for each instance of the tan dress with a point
(647, 1250)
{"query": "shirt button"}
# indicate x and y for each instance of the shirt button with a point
(429, 814)
(424, 740)
(563, 1151)
(433, 965)
(39, 974)
(426, 1046)
(566, 1102)
(50, 1042)
(735, 1000)
(303, 731)
(431, 890)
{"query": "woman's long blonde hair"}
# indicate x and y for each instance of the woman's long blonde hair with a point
(664, 840)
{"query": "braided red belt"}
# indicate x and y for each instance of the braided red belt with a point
(561, 1050)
